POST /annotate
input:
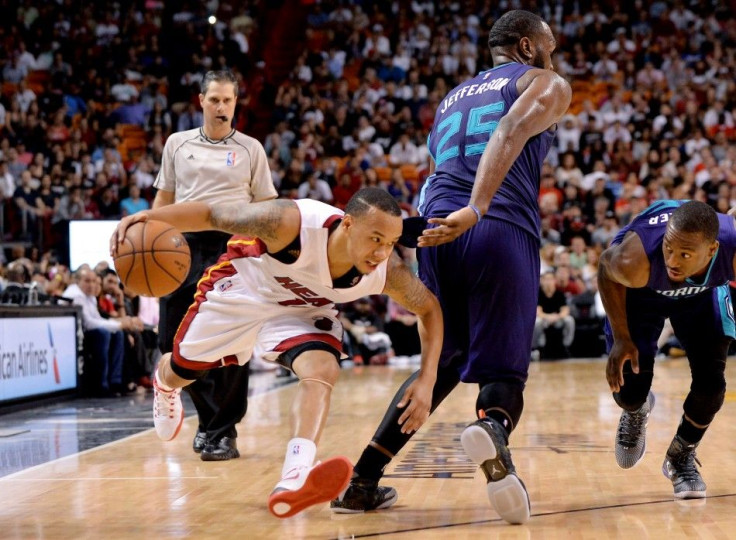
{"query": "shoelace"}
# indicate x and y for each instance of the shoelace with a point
(365, 486)
(684, 465)
(165, 403)
(363, 491)
(629, 429)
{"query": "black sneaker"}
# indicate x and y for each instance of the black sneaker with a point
(221, 450)
(485, 442)
(679, 466)
(363, 495)
(631, 435)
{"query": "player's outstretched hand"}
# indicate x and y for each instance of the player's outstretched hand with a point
(447, 229)
(119, 232)
(417, 400)
(621, 351)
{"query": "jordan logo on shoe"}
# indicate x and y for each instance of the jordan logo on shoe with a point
(494, 470)
(191, 156)
(497, 472)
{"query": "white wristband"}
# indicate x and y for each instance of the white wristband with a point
(477, 212)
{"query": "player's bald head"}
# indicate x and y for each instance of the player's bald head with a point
(696, 217)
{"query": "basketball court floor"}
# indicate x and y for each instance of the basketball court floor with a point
(95, 469)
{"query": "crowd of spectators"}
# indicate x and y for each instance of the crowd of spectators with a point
(652, 114)
(651, 118)
(76, 80)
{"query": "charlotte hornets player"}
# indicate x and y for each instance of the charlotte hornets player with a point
(674, 260)
(489, 139)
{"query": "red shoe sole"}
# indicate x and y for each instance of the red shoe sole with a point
(324, 483)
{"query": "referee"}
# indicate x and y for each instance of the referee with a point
(214, 164)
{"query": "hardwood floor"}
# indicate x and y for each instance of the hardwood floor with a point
(140, 487)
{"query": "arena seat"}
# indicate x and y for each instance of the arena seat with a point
(383, 173)
(8, 89)
(37, 81)
(410, 173)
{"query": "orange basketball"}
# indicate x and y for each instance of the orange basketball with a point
(153, 259)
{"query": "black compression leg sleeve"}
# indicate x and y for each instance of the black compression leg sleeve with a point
(707, 392)
(388, 439)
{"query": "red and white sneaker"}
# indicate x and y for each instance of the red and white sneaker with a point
(168, 412)
(306, 486)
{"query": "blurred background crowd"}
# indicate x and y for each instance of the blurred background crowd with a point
(342, 94)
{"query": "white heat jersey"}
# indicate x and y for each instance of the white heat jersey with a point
(249, 301)
(307, 281)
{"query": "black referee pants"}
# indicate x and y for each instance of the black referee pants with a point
(221, 396)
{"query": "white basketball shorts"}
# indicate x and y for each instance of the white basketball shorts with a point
(226, 324)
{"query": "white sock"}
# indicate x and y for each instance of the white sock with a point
(299, 458)
(299, 453)
(161, 384)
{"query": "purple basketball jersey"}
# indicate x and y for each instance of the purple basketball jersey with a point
(651, 225)
(464, 122)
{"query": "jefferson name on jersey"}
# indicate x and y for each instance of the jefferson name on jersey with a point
(474, 89)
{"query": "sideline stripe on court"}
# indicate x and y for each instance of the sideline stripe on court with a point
(276, 385)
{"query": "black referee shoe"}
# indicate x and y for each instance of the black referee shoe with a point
(221, 450)
(199, 442)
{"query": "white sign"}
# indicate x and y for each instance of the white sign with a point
(38, 355)
(89, 242)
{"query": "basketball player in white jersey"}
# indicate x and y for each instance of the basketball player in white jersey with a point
(213, 164)
(273, 294)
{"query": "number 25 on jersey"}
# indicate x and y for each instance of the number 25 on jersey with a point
(481, 121)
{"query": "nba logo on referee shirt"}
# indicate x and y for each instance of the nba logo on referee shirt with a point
(230, 159)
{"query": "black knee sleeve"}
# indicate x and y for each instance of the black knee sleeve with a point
(503, 401)
(708, 388)
(635, 390)
(705, 399)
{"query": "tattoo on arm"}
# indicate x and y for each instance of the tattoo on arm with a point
(405, 287)
(261, 220)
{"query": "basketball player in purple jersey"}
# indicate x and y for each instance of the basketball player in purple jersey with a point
(674, 260)
(490, 137)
